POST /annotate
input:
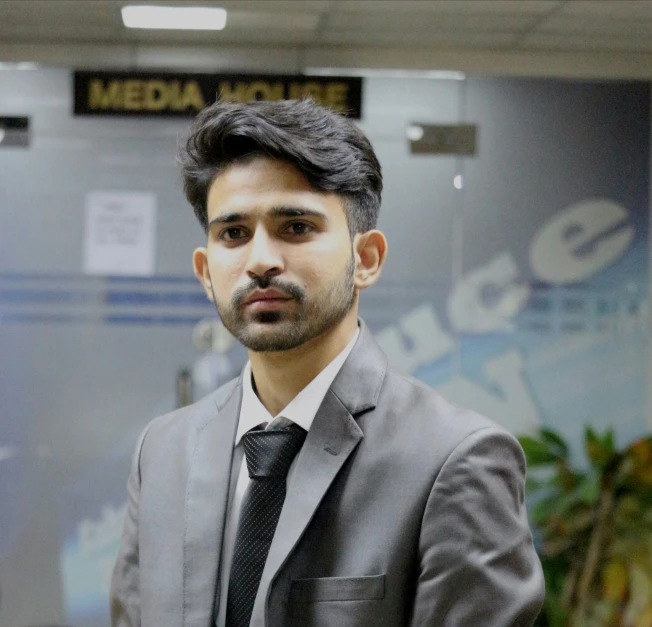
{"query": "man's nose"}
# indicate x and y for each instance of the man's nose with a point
(264, 256)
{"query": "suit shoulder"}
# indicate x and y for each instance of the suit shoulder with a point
(429, 412)
(204, 409)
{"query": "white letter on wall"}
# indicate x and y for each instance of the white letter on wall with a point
(514, 409)
(429, 340)
(467, 307)
(581, 240)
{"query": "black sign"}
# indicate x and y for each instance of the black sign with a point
(14, 131)
(173, 94)
(440, 139)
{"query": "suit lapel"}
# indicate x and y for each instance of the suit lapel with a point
(211, 452)
(333, 437)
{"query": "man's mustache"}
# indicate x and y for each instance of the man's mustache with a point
(263, 283)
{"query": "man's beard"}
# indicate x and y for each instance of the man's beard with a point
(294, 326)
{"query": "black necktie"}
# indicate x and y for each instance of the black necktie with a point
(269, 455)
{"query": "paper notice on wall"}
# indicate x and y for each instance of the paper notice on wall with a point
(119, 233)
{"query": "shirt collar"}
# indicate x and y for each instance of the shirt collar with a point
(301, 410)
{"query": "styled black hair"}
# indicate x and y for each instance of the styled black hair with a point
(327, 148)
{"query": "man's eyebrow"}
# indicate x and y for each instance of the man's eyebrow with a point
(275, 212)
(229, 218)
(296, 212)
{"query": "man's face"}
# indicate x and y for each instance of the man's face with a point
(279, 262)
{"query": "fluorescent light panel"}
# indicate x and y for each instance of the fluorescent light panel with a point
(177, 18)
(21, 65)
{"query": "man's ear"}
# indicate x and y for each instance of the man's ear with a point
(370, 251)
(200, 266)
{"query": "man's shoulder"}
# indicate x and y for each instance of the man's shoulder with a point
(179, 421)
(428, 414)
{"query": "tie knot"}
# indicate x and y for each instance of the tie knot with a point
(270, 452)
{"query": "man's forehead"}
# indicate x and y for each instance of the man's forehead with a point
(266, 203)
(261, 174)
(259, 187)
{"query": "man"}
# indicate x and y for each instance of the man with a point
(320, 488)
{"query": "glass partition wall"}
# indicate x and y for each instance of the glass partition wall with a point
(516, 283)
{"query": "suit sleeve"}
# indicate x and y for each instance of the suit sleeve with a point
(478, 565)
(125, 587)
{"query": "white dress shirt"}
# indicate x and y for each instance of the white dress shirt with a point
(301, 411)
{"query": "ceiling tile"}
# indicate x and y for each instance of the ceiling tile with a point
(423, 38)
(58, 32)
(587, 43)
(246, 20)
(273, 6)
(620, 25)
(608, 8)
(505, 7)
(39, 11)
(597, 26)
(408, 21)
(217, 38)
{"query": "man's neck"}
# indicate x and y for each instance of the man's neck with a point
(279, 377)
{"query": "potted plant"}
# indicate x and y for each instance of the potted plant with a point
(593, 528)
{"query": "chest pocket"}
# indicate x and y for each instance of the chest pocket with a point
(338, 589)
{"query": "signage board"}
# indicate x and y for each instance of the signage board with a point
(164, 94)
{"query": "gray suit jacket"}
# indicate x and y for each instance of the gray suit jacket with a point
(403, 511)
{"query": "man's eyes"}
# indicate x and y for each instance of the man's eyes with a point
(232, 233)
(235, 233)
(299, 228)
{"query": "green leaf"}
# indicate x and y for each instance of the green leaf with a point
(589, 490)
(552, 609)
(565, 477)
(580, 521)
(608, 442)
(555, 442)
(536, 452)
(543, 511)
(557, 546)
(601, 451)
(532, 484)
(590, 436)
(566, 502)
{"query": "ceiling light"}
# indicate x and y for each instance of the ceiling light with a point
(2, 134)
(414, 132)
(183, 18)
(21, 65)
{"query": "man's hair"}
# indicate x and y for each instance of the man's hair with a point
(327, 148)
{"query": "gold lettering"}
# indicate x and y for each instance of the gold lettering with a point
(192, 96)
(133, 96)
(277, 91)
(261, 90)
(228, 93)
(174, 96)
(314, 91)
(295, 91)
(311, 89)
(99, 98)
(156, 95)
(336, 96)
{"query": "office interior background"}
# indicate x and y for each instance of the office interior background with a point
(514, 137)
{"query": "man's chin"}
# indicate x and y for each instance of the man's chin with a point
(267, 319)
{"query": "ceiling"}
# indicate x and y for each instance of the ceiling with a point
(507, 25)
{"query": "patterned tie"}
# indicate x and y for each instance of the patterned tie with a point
(269, 455)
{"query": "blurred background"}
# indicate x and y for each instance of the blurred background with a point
(514, 138)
